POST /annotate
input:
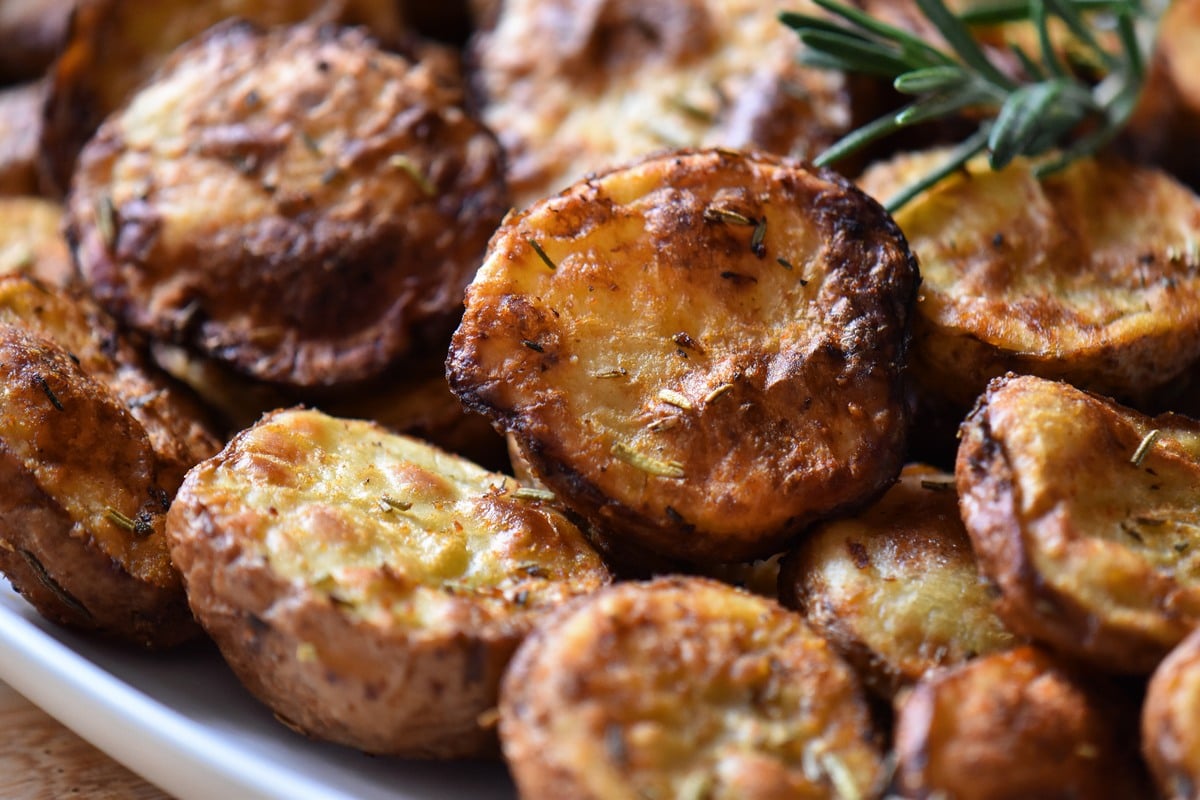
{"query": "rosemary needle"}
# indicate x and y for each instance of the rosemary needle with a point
(1054, 106)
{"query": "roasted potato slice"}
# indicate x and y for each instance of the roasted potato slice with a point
(573, 88)
(896, 589)
(92, 449)
(701, 353)
(369, 587)
(1084, 514)
(1171, 722)
(1165, 125)
(31, 33)
(113, 46)
(32, 241)
(705, 691)
(1089, 275)
(297, 204)
(1016, 724)
(20, 123)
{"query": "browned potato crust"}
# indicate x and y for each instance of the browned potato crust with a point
(705, 692)
(370, 588)
(32, 241)
(574, 88)
(297, 204)
(92, 448)
(20, 125)
(1084, 515)
(1166, 123)
(1171, 722)
(31, 32)
(1011, 725)
(1089, 275)
(113, 46)
(896, 589)
(707, 358)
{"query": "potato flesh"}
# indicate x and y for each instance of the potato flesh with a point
(707, 692)
(597, 91)
(388, 525)
(1089, 275)
(684, 373)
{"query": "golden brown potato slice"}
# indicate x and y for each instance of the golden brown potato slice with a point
(684, 688)
(1084, 514)
(20, 124)
(368, 587)
(92, 449)
(113, 46)
(573, 88)
(701, 353)
(1016, 724)
(896, 589)
(1089, 275)
(1171, 722)
(1165, 126)
(297, 204)
(32, 241)
(31, 33)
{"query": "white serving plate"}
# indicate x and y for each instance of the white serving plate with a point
(182, 721)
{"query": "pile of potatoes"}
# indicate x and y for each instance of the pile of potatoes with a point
(503, 380)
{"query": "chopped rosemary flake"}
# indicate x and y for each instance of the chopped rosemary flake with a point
(1143, 449)
(58, 591)
(392, 504)
(310, 143)
(50, 395)
(410, 168)
(756, 239)
(690, 109)
(614, 743)
(717, 392)
(1182, 547)
(937, 486)
(783, 262)
(533, 493)
(537, 248)
(720, 214)
(654, 466)
(662, 424)
(532, 345)
(674, 398)
(119, 519)
(615, 372)
(106, 219)
(841, 777)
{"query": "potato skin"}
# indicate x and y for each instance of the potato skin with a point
(32, 243)
(674, 384)
(309, 216)
(1170, 740)
(1015, 724)
(706, 691)
(20, 124)
(368, 587)
(1094, 551)
(573, 89)
(112, 47)
(896, 589)
(84, 432)
(1089, 276)
(31, 33)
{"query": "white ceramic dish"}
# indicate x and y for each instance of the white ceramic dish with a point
(182, 721)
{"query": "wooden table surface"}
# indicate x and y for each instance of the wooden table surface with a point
(42, 760)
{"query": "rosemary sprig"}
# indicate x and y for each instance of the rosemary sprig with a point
(1054, 106)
